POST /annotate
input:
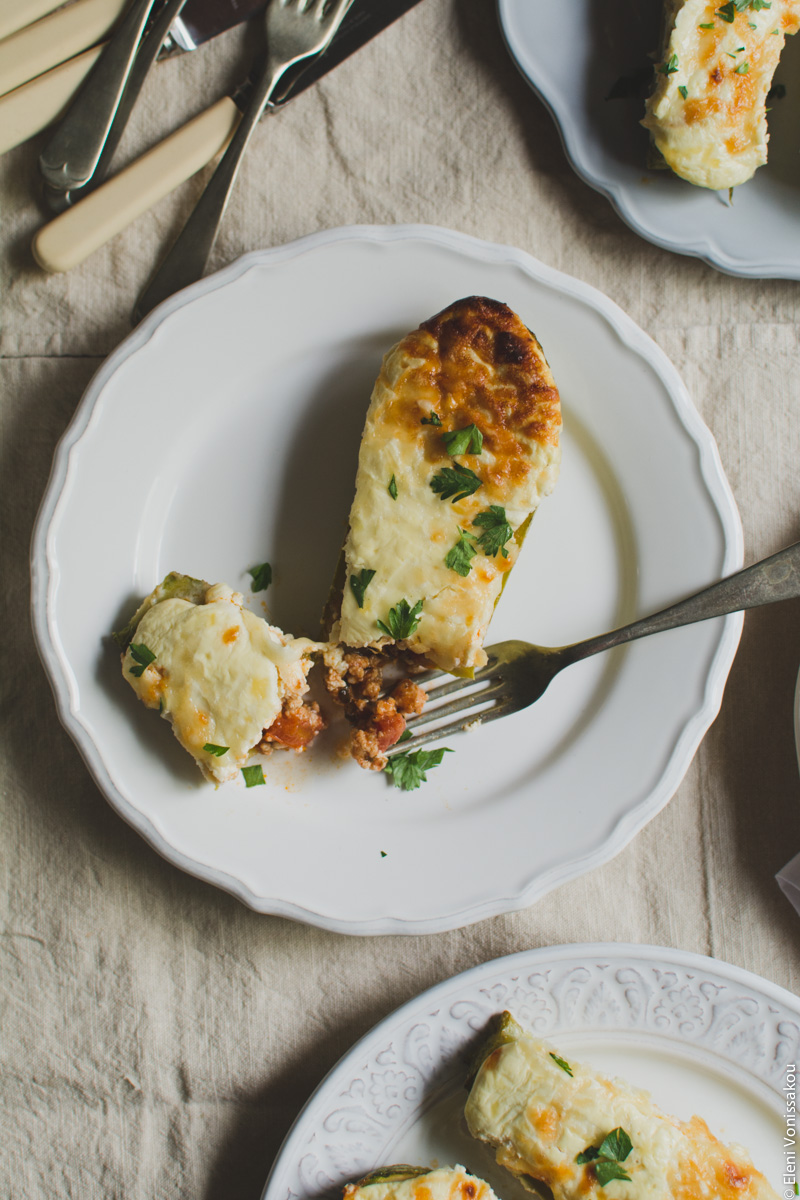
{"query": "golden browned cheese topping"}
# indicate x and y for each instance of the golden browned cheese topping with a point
(474, 365)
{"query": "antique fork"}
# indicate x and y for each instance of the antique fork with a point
(517, 673)
(296, 30)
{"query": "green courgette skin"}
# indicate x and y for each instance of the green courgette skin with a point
(501, 1030)
(397, 1173)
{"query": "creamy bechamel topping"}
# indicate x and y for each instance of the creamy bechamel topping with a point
(443, 1183)
(220, 674)
(542, 1113)
(708, 114)
(475, 364)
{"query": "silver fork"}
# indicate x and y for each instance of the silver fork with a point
(517, 673)
(296, 30)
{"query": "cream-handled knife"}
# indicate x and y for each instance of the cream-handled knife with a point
(75, 234)
(38, 47)
(32, 107)
(16, 14)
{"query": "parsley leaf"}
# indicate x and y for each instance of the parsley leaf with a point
(360, 582)
(456, 481)
(684, 91)
(217, 751)
(560, 1062)
(253, 776)
(605, 1171)
(757, 5)
(608, 1156)
(710, 25)
(669, 68)
(459, 559)
(261, 576)
(616, 1145)
(431, 420)
(408, 769)
(727, 12)
(464, 441)
(742, 69)
(405, 736)
(402, 620)
(142, 655)
(496, 530)
(392, 488)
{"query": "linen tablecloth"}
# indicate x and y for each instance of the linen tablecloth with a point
(158, 1038)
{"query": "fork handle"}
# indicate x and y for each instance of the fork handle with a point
(774, 578)
(187, 259)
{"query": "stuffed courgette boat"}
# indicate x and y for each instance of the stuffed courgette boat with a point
(556, 1121)
(460, 444)
(228, 683)
(402, 1182)
(707, 115)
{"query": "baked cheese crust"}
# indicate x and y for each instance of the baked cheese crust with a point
(219, 674)
(707, 115)
(542, 1112)
(413, 1183)
(474, 364)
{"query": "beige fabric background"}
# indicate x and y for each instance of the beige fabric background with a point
(157, 1037)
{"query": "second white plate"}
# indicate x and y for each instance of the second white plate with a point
(573, 53)
(224, 432)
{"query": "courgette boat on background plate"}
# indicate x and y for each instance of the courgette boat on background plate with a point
(707, 116)
(228, 683)
(460, 444)
(402, 1182)
(558, 1122)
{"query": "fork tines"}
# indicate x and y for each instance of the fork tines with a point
(477, 698)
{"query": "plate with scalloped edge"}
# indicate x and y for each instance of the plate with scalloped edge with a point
(573, 53)
(225, 431)
(701, 1036)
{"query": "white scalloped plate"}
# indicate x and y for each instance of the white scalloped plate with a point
(224, 431)
(701, 1036)
(572, 52)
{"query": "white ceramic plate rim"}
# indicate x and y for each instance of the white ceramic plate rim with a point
(459, 1006)
(573, 139)
(44, 568)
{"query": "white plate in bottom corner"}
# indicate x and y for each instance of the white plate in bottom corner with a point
(224, 432)
(701, 1036)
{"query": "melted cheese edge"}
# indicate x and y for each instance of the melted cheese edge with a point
(406, 540)
(716, 135)
(445, 1183)
(540, 1119)
(220, 674)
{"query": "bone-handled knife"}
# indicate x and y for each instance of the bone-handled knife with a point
(32, 107)
(54, 39)
(75, 234)
(16, 14)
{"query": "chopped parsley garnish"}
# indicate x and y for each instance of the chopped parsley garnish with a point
(464, 441)
(669, 68)
(561, 1063)
(684, 91)
(253, 776)
(496, 530)
(360, 582)
(402, 620)
(606, 1171)
(405, 736)
(742, 68)
(459, 559)
(392, 488)
(457, 482)
(261, 576)
(142, 656)
(408, 769)
(757, 5)
(383, 854)
(431, 420)
(217, 751)
(608, 1157)
(710, 25)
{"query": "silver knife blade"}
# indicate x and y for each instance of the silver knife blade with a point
(202, 20)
